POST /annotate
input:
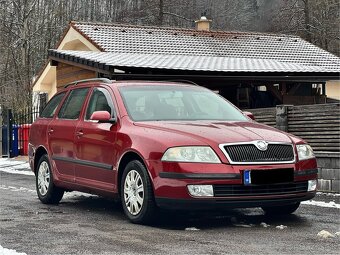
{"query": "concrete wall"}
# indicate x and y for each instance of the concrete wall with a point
(329, 171)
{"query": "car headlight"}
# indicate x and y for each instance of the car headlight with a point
(202, 154)
(304, 151)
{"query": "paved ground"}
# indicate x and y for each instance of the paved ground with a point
(84, 224)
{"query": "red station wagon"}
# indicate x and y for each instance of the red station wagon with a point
(165, 145)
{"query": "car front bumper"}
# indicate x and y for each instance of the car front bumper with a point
(171, 186)
(225, 203)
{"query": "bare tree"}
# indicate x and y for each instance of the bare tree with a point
(29, 27)
(315, 20)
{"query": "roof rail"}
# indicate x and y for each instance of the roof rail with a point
(184, 81)
(104, 80)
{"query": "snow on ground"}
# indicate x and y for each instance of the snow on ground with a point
(4, 251)
(321, 204)
(328, 194)
(12, 170)
(73, 194)
(16, 189)
(15, 167)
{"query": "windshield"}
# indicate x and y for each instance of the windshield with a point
(168, 102)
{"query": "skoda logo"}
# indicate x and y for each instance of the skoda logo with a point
(261, 145)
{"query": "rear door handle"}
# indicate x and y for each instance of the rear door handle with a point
(50, 131)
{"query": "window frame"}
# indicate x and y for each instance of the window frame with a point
(111, 96)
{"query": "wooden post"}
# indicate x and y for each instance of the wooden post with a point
(282, 117)
(10, 133)
(324, 89)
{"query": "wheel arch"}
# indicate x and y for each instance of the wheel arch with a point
(38, 154)
(125, 159)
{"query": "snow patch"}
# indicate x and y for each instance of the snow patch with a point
(321, 204)
(73, 194)
(15, 189)
(328, 194)
(5, 251)
(265, 225)
(11, 170)
(281, 227)
(15, 167)
(77, 194)
(243, 225)
(192, 229)
(325, 234)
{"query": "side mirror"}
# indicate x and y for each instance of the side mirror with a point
(102, 117)
(249, 115)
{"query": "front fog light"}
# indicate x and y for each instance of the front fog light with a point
(312, 185)
(201, 190)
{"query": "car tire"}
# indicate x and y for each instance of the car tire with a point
(137, 194)
(281, 210)
(47, 192)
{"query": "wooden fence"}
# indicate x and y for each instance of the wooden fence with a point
(318, 124)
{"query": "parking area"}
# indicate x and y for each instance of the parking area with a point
(87, 224)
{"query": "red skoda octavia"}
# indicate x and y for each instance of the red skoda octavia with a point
(165, 145)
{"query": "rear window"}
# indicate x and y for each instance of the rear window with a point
(52, 106)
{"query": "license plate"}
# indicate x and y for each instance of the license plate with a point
(246, 177)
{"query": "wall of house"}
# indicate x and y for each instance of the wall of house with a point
(47, 81)
(333, 89)
(68, 73)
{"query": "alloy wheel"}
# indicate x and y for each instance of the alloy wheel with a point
(133, 192)
(44, 178)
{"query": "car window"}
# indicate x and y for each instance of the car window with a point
(52, 106)
(148, 103)
(205, 106)
(100, 101)
(73, 104)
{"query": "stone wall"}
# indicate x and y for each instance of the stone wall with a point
(329, 171)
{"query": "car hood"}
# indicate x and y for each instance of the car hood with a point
(220, 132)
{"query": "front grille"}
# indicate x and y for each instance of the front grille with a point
(244, 153)
(260, 190)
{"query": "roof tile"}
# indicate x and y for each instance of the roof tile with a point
(187, 62)
(228, 51)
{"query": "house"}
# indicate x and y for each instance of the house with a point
(250, 69)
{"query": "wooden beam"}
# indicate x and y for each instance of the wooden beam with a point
(80, 65)
(284, 88)
(276, 93)
(293, 90)
(324, 89)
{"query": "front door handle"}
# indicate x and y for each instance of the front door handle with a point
(79, 133)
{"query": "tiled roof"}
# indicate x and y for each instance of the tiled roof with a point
(182, 62)
(239, 48)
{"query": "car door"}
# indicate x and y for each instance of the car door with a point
(95, 144)
(61, 132)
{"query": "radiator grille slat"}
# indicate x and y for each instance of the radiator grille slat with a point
(252, 190)
(245, 153)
